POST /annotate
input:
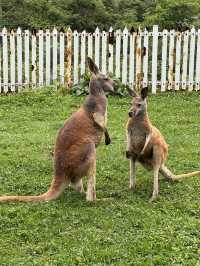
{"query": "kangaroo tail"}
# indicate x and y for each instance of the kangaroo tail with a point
(178, 177)
(169, 175)
(57, 187)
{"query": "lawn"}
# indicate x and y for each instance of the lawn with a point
(126, 231)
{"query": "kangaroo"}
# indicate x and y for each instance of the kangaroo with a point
(75, 148)
(146, 145)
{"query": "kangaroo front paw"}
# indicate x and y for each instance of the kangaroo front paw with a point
(107, 141)
(128, 154)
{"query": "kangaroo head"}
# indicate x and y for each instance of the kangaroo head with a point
(139, 104)
(99, 82)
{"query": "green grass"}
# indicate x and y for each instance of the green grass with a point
(125, 231)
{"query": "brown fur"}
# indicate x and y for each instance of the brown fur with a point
(75, 149)
(146, 144)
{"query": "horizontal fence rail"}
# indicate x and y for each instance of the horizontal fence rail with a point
(166, 60)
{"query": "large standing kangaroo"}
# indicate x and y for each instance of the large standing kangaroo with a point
(146, 144)
(75, 149)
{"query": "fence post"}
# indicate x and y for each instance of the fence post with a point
(110, 50)
(104, 54)
(154, 58)
(125, 50)
(68, 54)
(164, 61)
(118, 53)
(12, 60)
(178, 61)
(191, 59)
(185, 60)
(197, 80)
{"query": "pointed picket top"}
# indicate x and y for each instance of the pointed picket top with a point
(47, 32)
(19, 31)
(69, 31)
(55, 32)
(97, 30)
(12, 32)
(118, 32)
(40, 32)
(145, 32)
(75, 33)
(83, 32)
(26, 33)
(125, 31)
(111, 29)
(4, 31)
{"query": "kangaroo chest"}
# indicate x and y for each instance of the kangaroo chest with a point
(136, 138)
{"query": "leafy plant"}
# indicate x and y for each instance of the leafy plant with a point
(82, 88)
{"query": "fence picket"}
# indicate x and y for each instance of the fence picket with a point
(97, 46)
(185, 60)
(124, 62)
(55, 54)
(76, 53)
(62, 58)
(164, 61)
(118, 53)
(83, 38)
(12, 60)
(27, 54)
(110, 50)
(145, 55)
(41, 59)
(48, 56)
(104, 51)
(138, 60)
(68, 52)
(5, 59)
(178, 61)
(197, 79)
(171, 60)
(191, 59)
(132, 59)
(154, 58)
(34, 60)
(90, 45)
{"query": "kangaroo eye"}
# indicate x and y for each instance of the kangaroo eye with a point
(106, 79)
(138, 105)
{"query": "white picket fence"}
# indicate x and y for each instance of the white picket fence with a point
(166, 60)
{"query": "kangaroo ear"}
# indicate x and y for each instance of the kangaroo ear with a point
(131, 92)
(92, 66)
(144, 92)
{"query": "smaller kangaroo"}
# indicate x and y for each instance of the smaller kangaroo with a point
(75, 149)
(146, 145)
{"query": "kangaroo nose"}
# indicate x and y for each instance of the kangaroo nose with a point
(130, 114)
